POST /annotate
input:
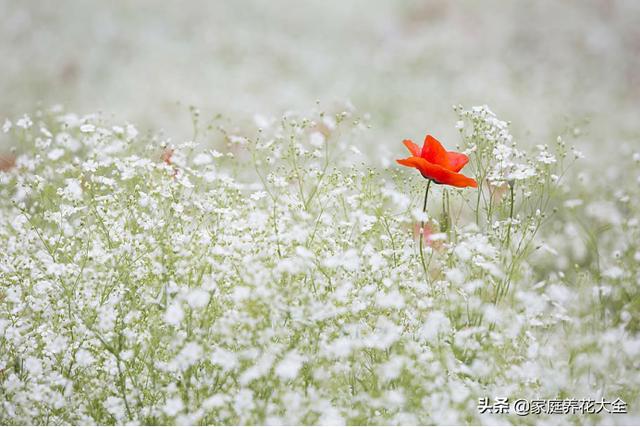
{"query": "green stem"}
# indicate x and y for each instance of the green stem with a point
(511, 185)
(445, 219)
(478, 205)
(421, 236)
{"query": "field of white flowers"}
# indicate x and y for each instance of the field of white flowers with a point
(263, 259)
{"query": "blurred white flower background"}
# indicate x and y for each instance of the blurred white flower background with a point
(545, 63)
(202, 220)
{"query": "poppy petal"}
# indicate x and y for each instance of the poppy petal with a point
(457, 160)
(412, 146)
(458, 180)
(412, 162)
(437, 173)
(434, 152)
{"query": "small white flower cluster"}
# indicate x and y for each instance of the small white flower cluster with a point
(276, 280)
(489, 136)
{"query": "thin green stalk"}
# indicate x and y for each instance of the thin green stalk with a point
(420, 237)
(478, 203)
(445, 213)
(511, 187)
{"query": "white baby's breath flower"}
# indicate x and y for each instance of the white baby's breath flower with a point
(197, 298)
(435, 324)
(87, 128)
(174, 314)
(24, 122)
(33, 366)
(258, 195)
(573, 203)
(84, 358)
(392, 299)
(215, 401)
(190, 354)
(317, 139)
(202, 159)
(280, 285)
(55, 154)
(225, 359)
(73, 190)
(173, 406)
(289, 366)
(545, 157)
(419, 215)
(131, 132)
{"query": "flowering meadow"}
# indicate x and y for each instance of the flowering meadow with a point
(319, 212)
(267, 274)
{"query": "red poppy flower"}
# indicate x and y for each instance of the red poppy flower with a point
(437, 164)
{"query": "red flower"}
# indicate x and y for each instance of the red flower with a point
(167, 158)
(437, 164)
(7, 161)
(167, 153)
(428, 232)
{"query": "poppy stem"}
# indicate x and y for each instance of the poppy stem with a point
(421, 237)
